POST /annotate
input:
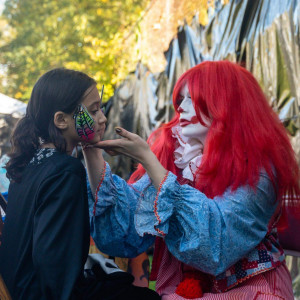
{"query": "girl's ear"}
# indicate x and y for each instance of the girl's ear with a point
(61, 120)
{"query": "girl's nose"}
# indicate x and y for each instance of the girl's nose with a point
(102, 119)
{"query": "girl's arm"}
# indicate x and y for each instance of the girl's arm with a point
(95, 166)
(112, 209)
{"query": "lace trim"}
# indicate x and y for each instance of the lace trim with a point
(41, 154)
(187, 156)
(179, 136)
(155, 204)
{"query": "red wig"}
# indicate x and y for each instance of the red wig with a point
(245, 135)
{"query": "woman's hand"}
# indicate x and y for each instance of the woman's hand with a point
(136, 148)
(130, 145)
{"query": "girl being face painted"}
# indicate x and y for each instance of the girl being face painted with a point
(188, 121)
(89, 118)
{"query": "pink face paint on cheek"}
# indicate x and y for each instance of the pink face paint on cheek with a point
(194, 120)
(86, 133)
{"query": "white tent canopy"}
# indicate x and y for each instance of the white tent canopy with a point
(12, 106)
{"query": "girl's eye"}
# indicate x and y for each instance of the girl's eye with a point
(94, 111)
(103, 110)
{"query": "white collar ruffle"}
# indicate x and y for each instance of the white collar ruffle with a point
(187, 156)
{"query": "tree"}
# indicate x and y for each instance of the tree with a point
(86, 35)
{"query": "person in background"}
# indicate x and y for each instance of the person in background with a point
(4, 182)
(209, 190)
(46, 235)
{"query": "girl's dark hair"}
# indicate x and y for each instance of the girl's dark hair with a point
(57, 90)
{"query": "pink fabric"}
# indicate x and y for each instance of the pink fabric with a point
(274, 284)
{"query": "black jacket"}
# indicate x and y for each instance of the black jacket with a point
(45, 238)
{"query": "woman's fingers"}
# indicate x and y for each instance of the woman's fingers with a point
(130, 145)
(107, 144)
(111, 152)
(124, 133)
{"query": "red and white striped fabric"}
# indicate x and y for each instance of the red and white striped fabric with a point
(274, 284)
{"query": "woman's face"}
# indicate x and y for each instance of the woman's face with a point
(188, 121)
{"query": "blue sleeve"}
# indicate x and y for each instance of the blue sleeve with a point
(112, 216)
(208, 234)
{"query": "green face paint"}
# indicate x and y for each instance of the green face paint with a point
(84, 123)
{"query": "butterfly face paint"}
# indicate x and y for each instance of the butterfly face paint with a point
(84, 123)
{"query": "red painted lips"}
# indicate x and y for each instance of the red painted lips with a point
(184, 122)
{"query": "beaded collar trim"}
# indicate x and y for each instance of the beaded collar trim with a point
(41, 154)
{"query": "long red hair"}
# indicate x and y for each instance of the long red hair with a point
(245, 135)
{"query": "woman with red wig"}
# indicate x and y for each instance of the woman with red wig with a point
(209, 189)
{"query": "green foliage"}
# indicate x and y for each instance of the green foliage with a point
(151, 283)
(86, 35)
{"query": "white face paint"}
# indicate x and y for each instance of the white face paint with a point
(188, 121)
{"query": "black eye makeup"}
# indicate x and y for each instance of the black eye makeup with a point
(179, 100)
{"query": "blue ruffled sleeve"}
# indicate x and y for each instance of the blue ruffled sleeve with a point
(208, 234)
(112, 215)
